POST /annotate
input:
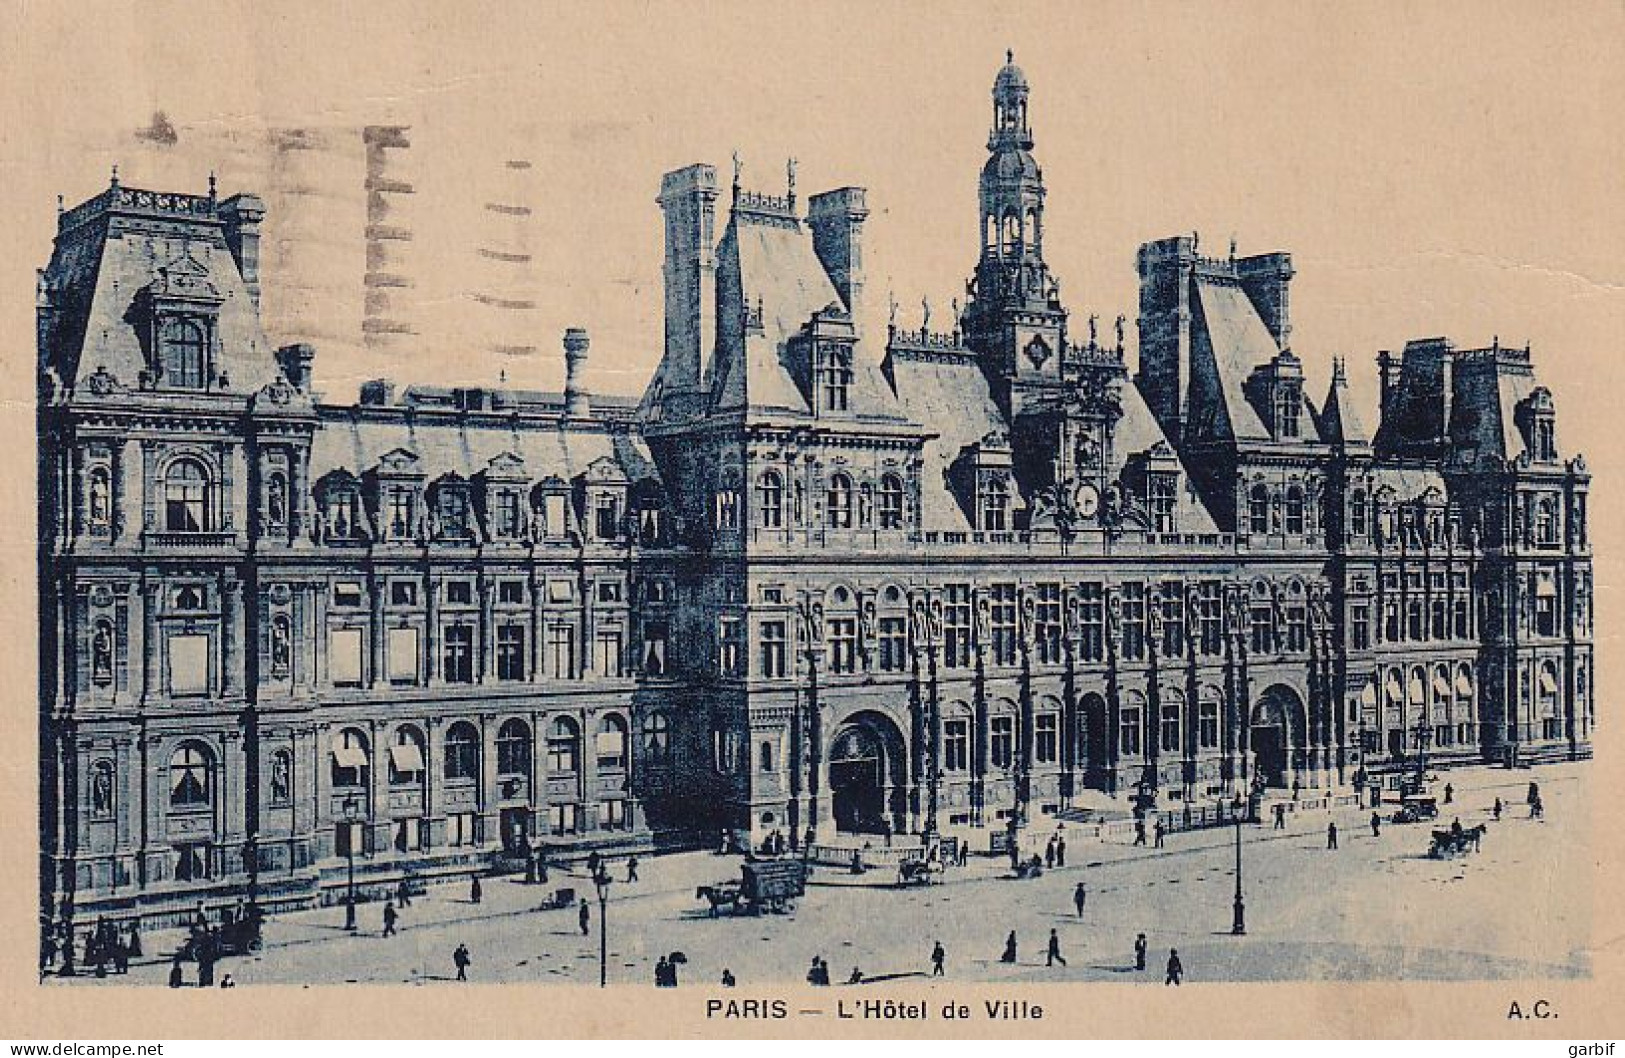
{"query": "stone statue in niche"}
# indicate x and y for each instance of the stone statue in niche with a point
(101, 790)
(281, 787)
(101, 509)
(101, 651)
(276, 502)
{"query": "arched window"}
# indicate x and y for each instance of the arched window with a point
(513, 748)
(891, 502)
(1294, 511)
(350, 758)
(611, 746)
(1258, 510)
(770, 500)
(657, 736)
(406, 757)
(996, 505)
(462, 751)
(1357, 512)
(1012, 232)
(186, 497)
(766, 756)
(838, 503)
(563, 746)
(191, 778)
(183, 357)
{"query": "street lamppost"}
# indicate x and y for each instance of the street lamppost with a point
(601, 881)
(350, 814)
(1238, 925)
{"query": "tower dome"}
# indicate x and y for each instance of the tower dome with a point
(1010, 78)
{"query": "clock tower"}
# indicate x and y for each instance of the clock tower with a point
(1014, 319)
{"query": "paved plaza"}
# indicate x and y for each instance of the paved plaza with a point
(1376, 908)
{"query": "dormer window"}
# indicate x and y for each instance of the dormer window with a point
(452, 508)
(1545, 439)
(891, 502)
(506, 514)
(606, 517)
(996, 505)
(183, 353)
(1287, 405)
(770, 500)
(1162, 498)
(838, 503)
(835, 374)
(398, 507)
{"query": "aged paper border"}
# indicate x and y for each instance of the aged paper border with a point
(46, 67)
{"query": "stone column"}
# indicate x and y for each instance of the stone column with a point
(375, 631)
(431, 630)
(485, 671)
(150, 683)
(490, 814)
(231, 633)
(587, 771)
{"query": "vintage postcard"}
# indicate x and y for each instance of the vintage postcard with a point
(723, 520)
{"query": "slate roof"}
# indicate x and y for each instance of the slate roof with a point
(1339, 420)
(107, 251)
(1228, 340)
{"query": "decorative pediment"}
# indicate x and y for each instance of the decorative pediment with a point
(509, 465)
(604, 471)
(183, 279)
(399, 462)
(101, 382)
(553, 483)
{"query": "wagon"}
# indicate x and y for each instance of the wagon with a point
(770, 885)
(1417, 807)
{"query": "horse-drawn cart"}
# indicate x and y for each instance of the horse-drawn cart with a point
(1448, 843)
(763, 885)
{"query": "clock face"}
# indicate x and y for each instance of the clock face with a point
(1087, 500)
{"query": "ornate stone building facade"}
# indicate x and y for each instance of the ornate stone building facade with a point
(817, 580)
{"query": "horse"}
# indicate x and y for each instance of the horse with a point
(719, 896)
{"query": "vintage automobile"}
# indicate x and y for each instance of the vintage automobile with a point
(1413, 808)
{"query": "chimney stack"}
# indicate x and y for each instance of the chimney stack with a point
(295, 361)
(836, 219)
(688, 199)
(242, 215)
(576, 402)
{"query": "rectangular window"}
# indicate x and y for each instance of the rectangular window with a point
(457, 654)
(1133, 620)
(607, 653)
(562, 819)
(350, 839)
(1047, 623)
(510, 592)
(843, 644)
(398, 512)
(1173, 619)
(555, 515)
(188, 664)
(730, 646)
(459, 592)
(462, 828)
(507, 514)
(1092, 618)
(408, 835)
(561, 652)
(1207, 725)
(893, 644)
(402, 647)
(609, 591)
(607, 517)
(1439, 617)
(1128, 733)
(1360, 626)
(1263, 627)
(561, 590)
(956, 626)
(656, 636)
(1162, 499)
(612, 815)
(1002, 602)
(1046, 738)
(347, 593)
(1297, 628)
(1414, 627)
(403, 593)
(1170, 728)
(1002, 741)
(1461, 612)
(775, 660)
(510, 652)
(955, 745)
(453, 512)
(1390, 620)
(1211, 608)
(344, 657)
(1546, 611)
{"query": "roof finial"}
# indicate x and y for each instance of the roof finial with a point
(1009, 56)
(114, 182)
(59, 206)
(211, 185)
(790, 179)
(1232, 247)
(1339, 371)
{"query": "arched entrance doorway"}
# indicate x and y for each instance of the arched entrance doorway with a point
(1276, 730)
(865, 775)
(1096, 759)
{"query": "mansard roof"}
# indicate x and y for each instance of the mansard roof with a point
(769, 285)
(1228, 340)
(127, 244)
(1339, 420)
(360, 439)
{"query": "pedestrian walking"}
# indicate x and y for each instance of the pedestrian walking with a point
(1080, 896)
(1009, 955)
(1280, 817)
(1049, 854)
(1139, 951)
(856, 977)
(461, 958)
(938, 957)
(964, 853)
(475, 894)
(584, 916)
(1176, 969)
(632, 869)
(1054, 954)
(1449, 793)
(390, 915)
(1157, 830)
(594, 860)
(1139, 832)
(1331, 837)
(227, 982)
(177, 976)
(1060, 850)
(1496, 811)
(1537, 808)
(727, 978)
(1376, 825)
(403, 893)
(661, 973)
